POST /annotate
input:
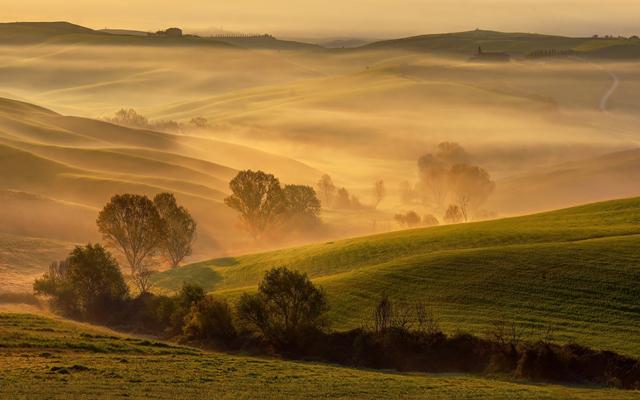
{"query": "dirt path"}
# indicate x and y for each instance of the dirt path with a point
(614, 85)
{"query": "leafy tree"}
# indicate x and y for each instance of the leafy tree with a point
(410, 219)
(453, 215)
(433, 180)
(180, 228)
(471, 186)
(88, 284)
(287, 304)
(326, 188)
(343, 199)
(302, 206)
(258, 198)
(379, 192)
(131, 223)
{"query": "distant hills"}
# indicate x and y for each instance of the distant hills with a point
(514, 43)
(517, 44)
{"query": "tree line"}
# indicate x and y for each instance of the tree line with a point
(287, 316)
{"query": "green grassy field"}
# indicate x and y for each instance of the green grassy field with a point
(43, 357)
(574, 271)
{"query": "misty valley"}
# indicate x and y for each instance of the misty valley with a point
(438, 216)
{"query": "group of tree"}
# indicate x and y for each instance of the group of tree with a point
(132, 119)
(267, 209)
(142, 229)
(287, 316)
(340, 198)
(89, 285)
(411, 219)
(449, 183)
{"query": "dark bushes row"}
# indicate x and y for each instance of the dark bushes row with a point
(404, 350)
(286, 317)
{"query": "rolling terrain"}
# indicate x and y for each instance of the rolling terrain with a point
(43, 357)
(64, 169)
(572, 271)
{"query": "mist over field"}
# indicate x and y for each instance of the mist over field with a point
(379, 199)
(536, 126)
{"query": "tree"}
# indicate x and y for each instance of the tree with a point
(258, 198)
(326, 188)
(379, 192)
(433, 180)
(287, 304)
(434, 169)
(302, 206)
(410, 219)
(180, 228)
(453, 215)
(131, 223)
(88, 284)
(343, 199)
(470, 186)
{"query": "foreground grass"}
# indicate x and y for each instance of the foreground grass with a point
(573, 271)
(42, 357)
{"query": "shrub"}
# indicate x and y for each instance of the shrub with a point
(287, 304)
(210, 319)
(88, 284)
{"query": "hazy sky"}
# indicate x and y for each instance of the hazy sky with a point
(377, 18)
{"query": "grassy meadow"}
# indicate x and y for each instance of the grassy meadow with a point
(573, 271)
(44, 357)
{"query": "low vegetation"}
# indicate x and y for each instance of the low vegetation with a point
(43, 357)
(288, 316)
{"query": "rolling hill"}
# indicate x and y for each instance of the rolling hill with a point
(520, 44)
(44, 357)
(613, 175)
(64, 169)
(573, 271)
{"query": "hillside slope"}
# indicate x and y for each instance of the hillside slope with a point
(42, 357)
(572, 271)
(614, 175)
(64, 169)
(467, 43)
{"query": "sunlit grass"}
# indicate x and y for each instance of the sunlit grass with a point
(573, 271)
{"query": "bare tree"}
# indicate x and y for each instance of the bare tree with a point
(180, 228)
(258, 198)
(326, 188)
(142, 279)
(382, 314)
(131, 224)
(505, 332)
(379, 192)
(426, 319)
(401, 316)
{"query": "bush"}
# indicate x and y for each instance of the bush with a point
(210, 320)
(287, 306)
(88, 284)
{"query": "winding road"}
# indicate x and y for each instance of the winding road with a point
(614, 85)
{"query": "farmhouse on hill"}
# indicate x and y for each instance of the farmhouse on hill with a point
(490, 56)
